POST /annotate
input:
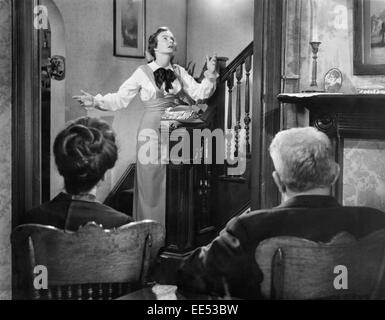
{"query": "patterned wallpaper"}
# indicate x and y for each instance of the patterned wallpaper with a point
(364, 173)
(5, 147)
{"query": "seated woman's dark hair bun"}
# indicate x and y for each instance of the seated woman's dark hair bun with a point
(84, 151)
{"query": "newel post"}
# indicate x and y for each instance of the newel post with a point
(219, 97)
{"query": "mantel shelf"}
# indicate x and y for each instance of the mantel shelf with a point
(300, 98)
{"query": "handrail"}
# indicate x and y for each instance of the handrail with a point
(129, 173)
(239, 60)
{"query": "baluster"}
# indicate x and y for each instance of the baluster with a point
(230, 85)
(201, 195)
(45, 295)
(100, 291)
(120, 289)
(69, 292)
(239, 75)
(208, 196)
(59, 294)
(109, 291)
(36, 294)
(79, 292)
(204, 219)
(206, 201)
(205, 210)
(50, 294)
(247, 120)
(125, 288)
(90, 292)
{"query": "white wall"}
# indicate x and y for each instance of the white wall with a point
(224, 27)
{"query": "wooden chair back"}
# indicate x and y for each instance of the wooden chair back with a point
(91, 263)
(295, 268)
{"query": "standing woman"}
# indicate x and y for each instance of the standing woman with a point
(161, 85)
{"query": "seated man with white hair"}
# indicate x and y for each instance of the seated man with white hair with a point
(305, 171)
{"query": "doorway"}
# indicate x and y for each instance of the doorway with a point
(38, 100)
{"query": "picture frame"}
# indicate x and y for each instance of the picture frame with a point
(369, 37)
(129, 28)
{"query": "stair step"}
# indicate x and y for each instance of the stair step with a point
(128, 191)
(235, 179)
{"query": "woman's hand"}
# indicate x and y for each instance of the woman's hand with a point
(86, 100)
(211, 64)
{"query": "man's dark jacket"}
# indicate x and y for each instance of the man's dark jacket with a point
(229, 259)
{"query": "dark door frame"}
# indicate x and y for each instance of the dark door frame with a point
(267, 84)
(26, 111)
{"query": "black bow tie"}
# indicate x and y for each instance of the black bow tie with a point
(164, 76)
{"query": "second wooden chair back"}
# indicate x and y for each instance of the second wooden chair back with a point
(344, 268)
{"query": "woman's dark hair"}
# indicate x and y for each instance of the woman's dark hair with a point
(84, 151)
(153, 40)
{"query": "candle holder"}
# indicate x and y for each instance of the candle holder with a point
(315, 47)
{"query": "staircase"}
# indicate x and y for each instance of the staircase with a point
(121, 196)
(202, 198)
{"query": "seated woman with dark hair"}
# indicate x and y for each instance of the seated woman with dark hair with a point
(83, 151)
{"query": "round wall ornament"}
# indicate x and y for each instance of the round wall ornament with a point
(333, 80)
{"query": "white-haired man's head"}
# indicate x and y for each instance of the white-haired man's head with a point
(303, 161)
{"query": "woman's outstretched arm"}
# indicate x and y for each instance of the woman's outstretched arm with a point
(203, 90)
(113, 101)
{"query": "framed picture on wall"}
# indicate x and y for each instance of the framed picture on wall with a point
(129, 28)
(369, 37)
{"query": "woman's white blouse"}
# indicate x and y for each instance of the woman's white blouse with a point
(140, 83)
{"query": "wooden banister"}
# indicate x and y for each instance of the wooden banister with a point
(240, 69)
(247, 119)
(126, 182)
(238, 61)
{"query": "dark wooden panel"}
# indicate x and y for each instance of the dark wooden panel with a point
(26, 108)
(180, 208)
(266, 109)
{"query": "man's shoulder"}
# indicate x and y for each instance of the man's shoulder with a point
(253, 220)
(362, 209)
(273, 217)
(262, 213)
(366, 213)
(273, 212)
